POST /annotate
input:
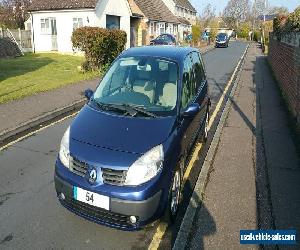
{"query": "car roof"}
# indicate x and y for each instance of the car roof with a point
(174, 53)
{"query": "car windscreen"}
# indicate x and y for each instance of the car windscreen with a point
(222, 36)
(145, 82)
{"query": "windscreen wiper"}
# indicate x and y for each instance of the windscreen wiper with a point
(115, 107)
(139, 110)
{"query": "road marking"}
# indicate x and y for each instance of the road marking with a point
(194, 158)
(162, 228)
(213, 116)
(36, 131)
(160, 231)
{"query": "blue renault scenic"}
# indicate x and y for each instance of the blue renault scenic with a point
(122, 160)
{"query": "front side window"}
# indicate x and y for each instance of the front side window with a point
(77, 23)
(188, 91)
(112, 22)
(150, 83)
(198, 70)
(45, 26)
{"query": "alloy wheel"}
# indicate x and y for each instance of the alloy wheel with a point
(206, 126)
(175, 193)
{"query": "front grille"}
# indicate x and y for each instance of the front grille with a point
(78, 167)
(98, 215)
(109, 176)
(113, 177)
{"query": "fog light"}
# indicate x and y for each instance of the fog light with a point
(62, 196)
(132, 219)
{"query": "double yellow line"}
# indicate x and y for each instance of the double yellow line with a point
(162, 227)
(36, 131)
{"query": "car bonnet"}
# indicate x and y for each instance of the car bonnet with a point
(120, 133)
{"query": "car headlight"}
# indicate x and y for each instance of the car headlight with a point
(146, 167)
(64, 152)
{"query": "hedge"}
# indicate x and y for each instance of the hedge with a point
(285, 24)
(101, 46)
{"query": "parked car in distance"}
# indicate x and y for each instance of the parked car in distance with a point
(164, 39)
(205, 36)
(122, 160)
(222, 40)
(189, 38)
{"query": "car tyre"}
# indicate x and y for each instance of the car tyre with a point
(174, 197)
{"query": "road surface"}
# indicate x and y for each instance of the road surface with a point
(30, 214)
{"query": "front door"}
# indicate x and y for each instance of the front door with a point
(53, 34)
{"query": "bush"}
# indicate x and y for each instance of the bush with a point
(285, 24)
(196, 31)
(256, 36)
(101, 46)
(293, 21)
(244, 30)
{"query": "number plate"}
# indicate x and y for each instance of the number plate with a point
(91, 198)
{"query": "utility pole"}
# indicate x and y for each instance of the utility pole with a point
(254, 18)
(263, 28)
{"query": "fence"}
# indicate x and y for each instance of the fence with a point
(21, 37)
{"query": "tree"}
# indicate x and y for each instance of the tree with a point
(208, 13)
(260, 7)
(13, 13)
(244, 30)
(283, 11)
(236, 11)
(196, 31)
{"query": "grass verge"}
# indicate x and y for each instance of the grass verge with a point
(34, 73)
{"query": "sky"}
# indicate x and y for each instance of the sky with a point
(220, 4)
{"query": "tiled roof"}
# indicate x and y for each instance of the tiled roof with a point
(185, 4)
(156, 10)
(136, 11)
(61, 4)
(184, 21)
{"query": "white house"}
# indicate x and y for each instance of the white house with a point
(53, 21)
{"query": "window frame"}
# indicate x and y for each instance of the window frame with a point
(76, 21)
(114, 16)
(45, 30)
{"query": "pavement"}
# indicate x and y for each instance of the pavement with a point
(30, 215)
(254, 179)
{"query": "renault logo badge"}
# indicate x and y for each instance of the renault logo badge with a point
(93, 176)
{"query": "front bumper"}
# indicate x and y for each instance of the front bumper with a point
(221, 44)
(120, 210)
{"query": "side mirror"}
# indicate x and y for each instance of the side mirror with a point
(88, 94)
(191, 110)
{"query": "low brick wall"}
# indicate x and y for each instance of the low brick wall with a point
(284, 58)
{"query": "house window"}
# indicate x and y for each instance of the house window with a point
(161, 27)
(45, 26)
(77, 23)
(112, 22)
(152, 29)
